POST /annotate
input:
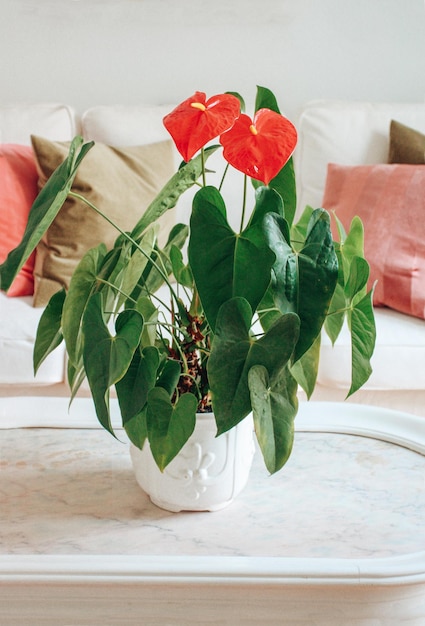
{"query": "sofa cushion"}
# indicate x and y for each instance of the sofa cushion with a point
(349, 133)
(18, 325)
(398, 361)
(390, 200)
(407, 145)
(121, 182)
(18, 190)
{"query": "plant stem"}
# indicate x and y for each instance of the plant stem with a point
(245, 181)
(204, 177)
(224, 176)
(115, 288)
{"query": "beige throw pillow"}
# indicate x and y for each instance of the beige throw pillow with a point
(121, 182)
(407, 145)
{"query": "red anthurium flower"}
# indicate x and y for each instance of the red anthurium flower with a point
(196, 121)
(259, 148)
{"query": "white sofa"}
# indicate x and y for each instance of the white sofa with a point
(345, 133)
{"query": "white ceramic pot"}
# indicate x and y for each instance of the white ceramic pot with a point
(206, 475)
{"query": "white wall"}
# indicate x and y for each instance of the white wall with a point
(87, 52)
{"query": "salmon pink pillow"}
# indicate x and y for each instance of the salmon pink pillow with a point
(390, 200)
(18, 189)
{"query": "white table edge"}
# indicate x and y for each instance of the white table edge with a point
(405, 570)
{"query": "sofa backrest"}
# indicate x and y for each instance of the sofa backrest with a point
(347, 133)
(125, 125)
(56, 122)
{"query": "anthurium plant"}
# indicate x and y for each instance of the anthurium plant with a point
(239, 329)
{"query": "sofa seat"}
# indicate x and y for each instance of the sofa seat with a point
(18, 326)
(398, 361)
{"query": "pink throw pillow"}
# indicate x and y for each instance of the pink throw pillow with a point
(18, 190)
(390, 200)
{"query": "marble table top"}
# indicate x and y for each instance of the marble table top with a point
(341, 495)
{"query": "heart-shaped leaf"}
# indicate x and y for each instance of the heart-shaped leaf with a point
(274, 406)
(305, 280)
(107, 357)
(139, 379)
(169, 427)
(80, 289)
(234, 351)
(132, 392)
(219, 268)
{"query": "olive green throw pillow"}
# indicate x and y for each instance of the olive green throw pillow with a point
(406, 145)
(121, 182)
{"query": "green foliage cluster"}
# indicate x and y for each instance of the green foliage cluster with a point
(244, 325)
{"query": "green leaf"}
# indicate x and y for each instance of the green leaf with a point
(274, 406)
(300, 229)
(136, 428)
(353, 244)
(149, 312)
(352, 276)
(268, 312)
(266, 201)
(110, 273)
(336, 314)
(139, 379)
(265, 99)
(152, 279)
(80, 289)
(220, 268)
(363, 337)
(49, 332)
(234, 351)
(304, 281)
(285, 281)
(44, 210)
(306, 368)
(135, 263)
(169, 427)
(169, 376)
(357, 278)
(107, 358)
(76, 375)
(181, 272)
(167, 198)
